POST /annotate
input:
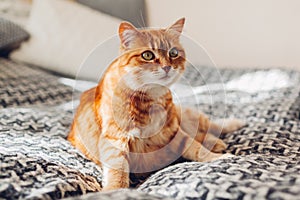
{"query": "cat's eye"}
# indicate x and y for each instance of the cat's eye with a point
(148, 55)
(173, 53)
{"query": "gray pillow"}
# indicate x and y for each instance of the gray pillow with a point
(131, 10)
(11, 36)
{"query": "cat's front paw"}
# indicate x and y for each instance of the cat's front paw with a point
(110, 188)
(232, 124)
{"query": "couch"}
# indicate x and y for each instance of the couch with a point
(37, 162)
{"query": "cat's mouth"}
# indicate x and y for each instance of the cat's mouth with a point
(165, 77)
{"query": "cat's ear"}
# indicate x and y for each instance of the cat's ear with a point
(177, 27)
(127, 33)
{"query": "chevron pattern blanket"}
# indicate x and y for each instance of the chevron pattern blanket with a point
(37, 162)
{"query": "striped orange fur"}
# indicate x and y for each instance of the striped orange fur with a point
(129, 123)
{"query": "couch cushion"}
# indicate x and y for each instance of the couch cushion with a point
(11, 36)
(63, 34)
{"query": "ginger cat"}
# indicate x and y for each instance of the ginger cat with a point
(128, 123)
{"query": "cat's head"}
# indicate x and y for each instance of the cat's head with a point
(151, 56)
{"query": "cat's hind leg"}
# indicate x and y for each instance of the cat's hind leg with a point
(190, 118)
(195, 151)
(203, 130)
(210, 141)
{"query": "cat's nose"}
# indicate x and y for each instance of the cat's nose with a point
(166, 68)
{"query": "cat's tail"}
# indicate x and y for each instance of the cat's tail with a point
(189, 116)
(225, 126)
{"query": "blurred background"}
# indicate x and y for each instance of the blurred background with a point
(235, 34)
(256, 33)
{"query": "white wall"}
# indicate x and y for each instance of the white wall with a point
(256, 33)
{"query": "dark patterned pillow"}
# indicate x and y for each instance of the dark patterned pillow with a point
(11, 36)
